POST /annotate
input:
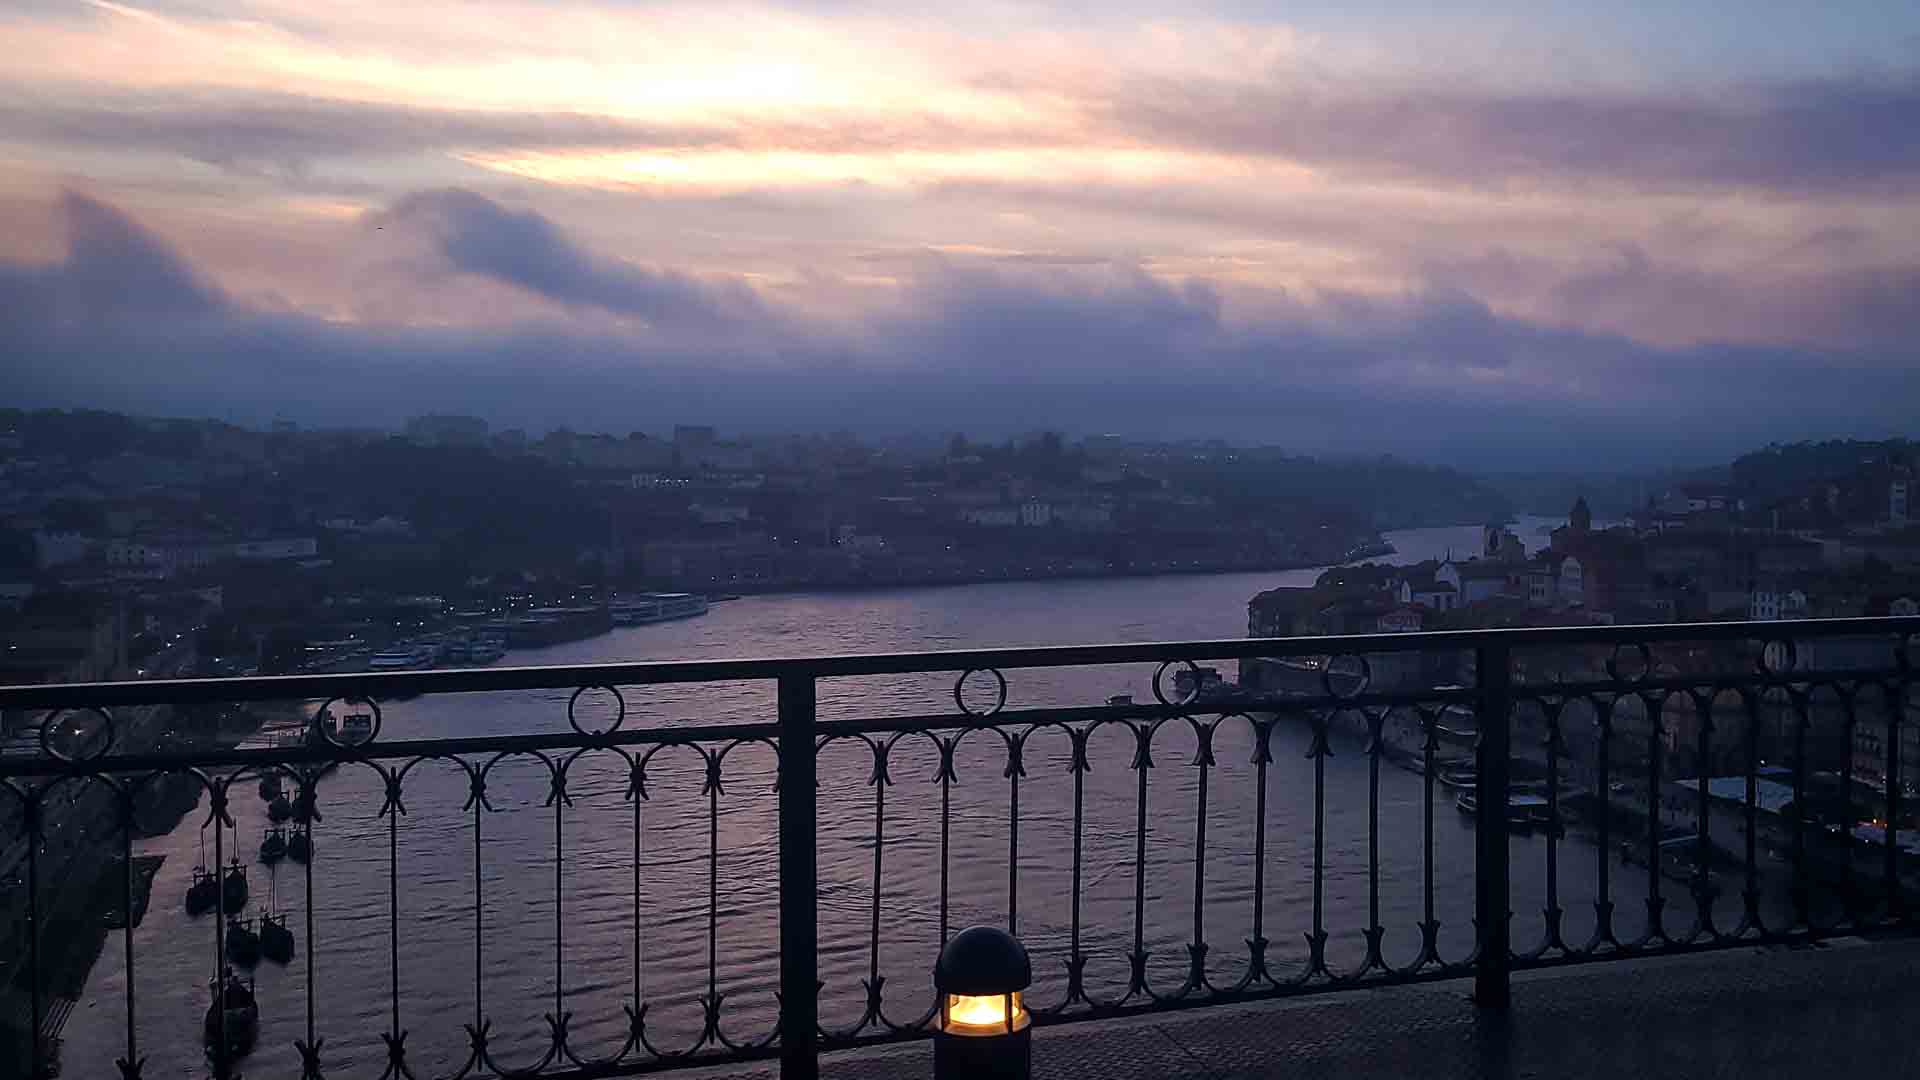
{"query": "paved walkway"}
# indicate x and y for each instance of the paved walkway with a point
(1841, 1009)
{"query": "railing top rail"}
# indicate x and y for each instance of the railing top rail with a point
(361, 684)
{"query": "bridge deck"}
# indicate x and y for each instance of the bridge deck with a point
(1842, 1008)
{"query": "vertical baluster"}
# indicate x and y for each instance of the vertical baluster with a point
(946, 827)
(1750, 892)
(1494, 668)
(1603, 863)
(880, 782)
(477, 1029)
(1555, 747)
(1429, 925)
(1896, 693)
(130, 1065)
(1655, 710)
(222, 1060)
(799, 881)
(1142, 759)
(634, 1015)
(39, 1066)
(310, 1049)
(1197, 948)
(559, 1019)
(1257, 945)
(1704, 890)
(1376, 721)
(1851, 894)
(1076, 964)
(1317, 939)
(712, 1003)
(397, 1044)
(1014, 772)
(1802, 889)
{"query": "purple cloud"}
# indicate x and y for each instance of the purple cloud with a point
(987, 349)
(476, 235)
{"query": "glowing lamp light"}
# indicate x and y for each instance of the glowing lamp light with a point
(984, 1030)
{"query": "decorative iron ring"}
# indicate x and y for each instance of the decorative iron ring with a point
(49, 725)
(1000, 700)
(1788, 650)
(619, 716)
(1159, 690)
(329, 737)
(1366, 677)
(1646, 663)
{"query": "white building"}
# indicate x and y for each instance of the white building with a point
(1035, 514)
(993, 517)
(1769, 603)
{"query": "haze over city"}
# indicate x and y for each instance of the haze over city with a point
(1503, 234)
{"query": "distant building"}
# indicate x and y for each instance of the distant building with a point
(1035, 514)
(993, 517)
(693, 436)
(443, 430)
(720, 513)
(292, 547)
(60, 548)
(1474, 581)
(712, 456)
(1771, 602)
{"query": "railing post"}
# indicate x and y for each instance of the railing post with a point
(1491, 914)
(799, 958)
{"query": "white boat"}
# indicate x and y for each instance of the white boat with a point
(400, 659)
(645, 608)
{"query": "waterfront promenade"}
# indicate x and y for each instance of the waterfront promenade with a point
(1838, 1009)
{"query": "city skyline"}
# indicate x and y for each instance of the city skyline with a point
(1536, 236)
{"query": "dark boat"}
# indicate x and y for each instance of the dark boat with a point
(233, 1018)
(276, 941)
(233, 887)
(300, 846)
(204, 893)
(273, 847)
(243, 945)
(279, 808)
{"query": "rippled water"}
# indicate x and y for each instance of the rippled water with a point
(633, 883)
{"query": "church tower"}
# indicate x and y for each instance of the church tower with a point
(1581, 517)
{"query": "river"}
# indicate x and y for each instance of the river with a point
(643, 921)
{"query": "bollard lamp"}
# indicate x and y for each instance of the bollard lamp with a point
(984, 1031)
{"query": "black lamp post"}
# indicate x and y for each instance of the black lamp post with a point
(984, 1031)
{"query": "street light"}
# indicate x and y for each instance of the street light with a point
(984, 1030)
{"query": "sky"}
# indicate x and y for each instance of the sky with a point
(1489, 233)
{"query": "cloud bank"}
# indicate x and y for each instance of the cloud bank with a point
(962, 344)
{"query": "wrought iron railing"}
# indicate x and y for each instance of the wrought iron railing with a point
(1072, 799)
